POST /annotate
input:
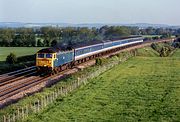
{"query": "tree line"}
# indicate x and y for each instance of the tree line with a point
(51, 36)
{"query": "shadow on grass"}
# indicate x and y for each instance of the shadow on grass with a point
(5, 67)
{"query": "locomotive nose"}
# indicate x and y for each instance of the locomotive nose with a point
(44, 62)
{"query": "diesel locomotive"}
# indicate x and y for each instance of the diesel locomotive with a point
(57, 59)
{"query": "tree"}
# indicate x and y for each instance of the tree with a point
(115, 32)
(46, 43)
(39, 43)
(54, 43)
(11, 58)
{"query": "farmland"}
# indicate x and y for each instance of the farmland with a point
(19, 51)
(145, 88)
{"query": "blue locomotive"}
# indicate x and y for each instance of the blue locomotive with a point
(56, 59)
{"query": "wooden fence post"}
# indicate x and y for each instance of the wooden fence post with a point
(22, 111)
(18, 114)
(56, 93)
(14, 117)
(9, 118)
(42, 103)
(61, 91)
(34, 107)
(50, 97)
(37, 105)
(4, 118)
(27, 112)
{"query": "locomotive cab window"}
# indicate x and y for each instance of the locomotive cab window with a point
(48, 55)
(40, 55)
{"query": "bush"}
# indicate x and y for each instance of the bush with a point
(164, 52)
(176, 44)
(98, 61)
(11, 58)
(156, 47)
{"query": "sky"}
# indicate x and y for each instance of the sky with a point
(91, 11)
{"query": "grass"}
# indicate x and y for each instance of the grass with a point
(176, 54)
(142, 89)
(19, 51)
(147, 52)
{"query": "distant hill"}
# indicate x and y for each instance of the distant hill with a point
(89, 25)
(11, 24)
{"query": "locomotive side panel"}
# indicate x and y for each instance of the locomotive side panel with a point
(63, 58)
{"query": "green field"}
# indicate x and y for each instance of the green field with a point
(141, 89)
(177, 54)
(19, 51)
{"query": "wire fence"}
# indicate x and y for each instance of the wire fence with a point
(23, 112)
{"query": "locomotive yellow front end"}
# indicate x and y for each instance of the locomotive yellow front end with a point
(45, 60)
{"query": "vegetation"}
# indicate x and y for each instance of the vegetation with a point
(49, 36)
(11, 58)
(176, 54)
(177, 43)
(164, 49)
(142, 89)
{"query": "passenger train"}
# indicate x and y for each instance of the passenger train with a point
(56, 59)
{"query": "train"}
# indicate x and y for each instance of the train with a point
(55, 59)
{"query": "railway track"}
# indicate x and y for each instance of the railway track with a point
(21, 80)
(20, 86)
(13, 75)
(10, 90)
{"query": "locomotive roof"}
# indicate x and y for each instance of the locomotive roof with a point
(51, 50)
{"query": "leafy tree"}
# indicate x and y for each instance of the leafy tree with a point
(46, 43)
(11, 58)
(116, 32)
(39, 43)
(54, 43)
